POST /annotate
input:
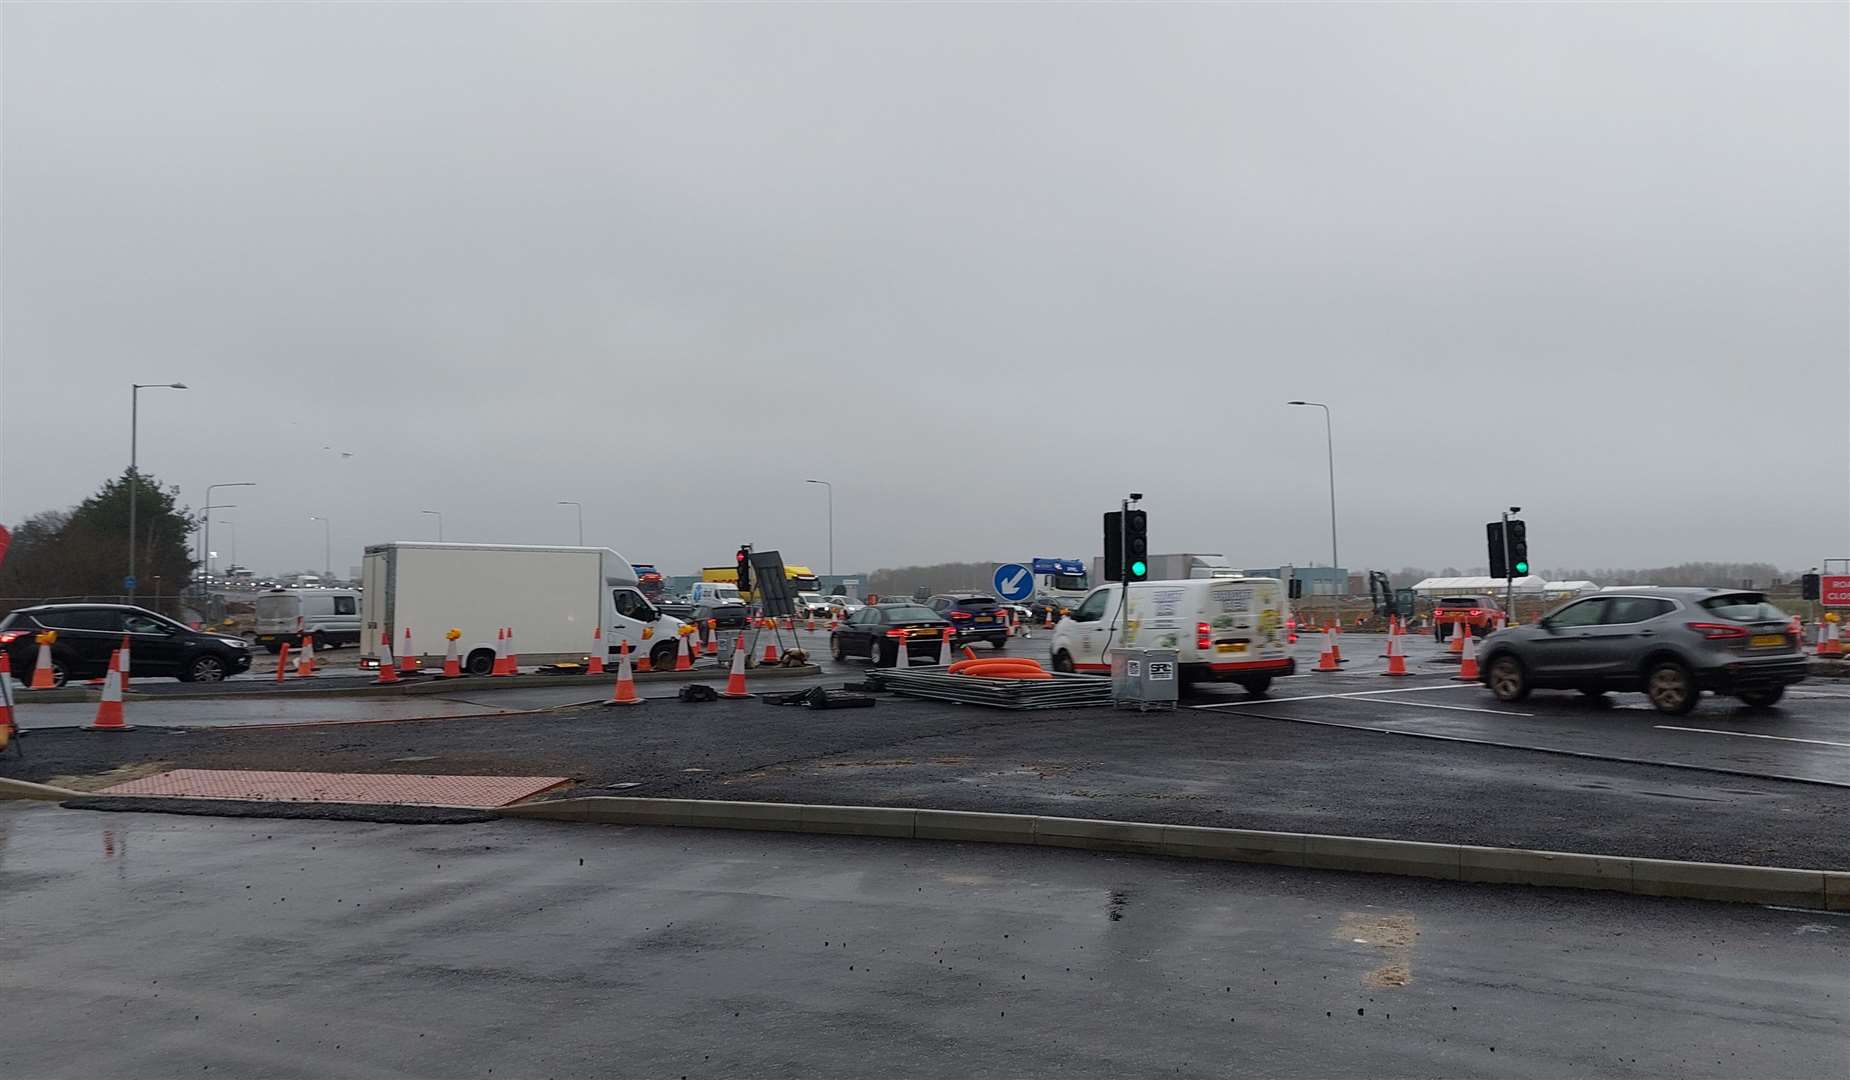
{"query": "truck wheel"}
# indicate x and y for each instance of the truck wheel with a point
(1671, 689)
(480, 662)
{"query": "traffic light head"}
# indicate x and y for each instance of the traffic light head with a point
(1136, 546)
(1519, 548)
(745, 568)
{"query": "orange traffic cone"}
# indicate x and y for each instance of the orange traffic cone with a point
(305, 663)
(127, 666)
(503, 654)
(8, 726)
(684, 658)
(408, 660)
(944, 649)
(109, 711)
(902, 656)
(282, 662)
(452, 667)
(1326, 660)
(809, 622)
(1291, 631)
(42, 678)
(1459, 634)
(1467, 665)
(513, 657)
(712, 648)
(1047, 623)
(595, 666)
(625, 692)
(770, 655)
(735, 682)
(388, 671)
(1336, 642)
(1833, 644)
(1397, 662)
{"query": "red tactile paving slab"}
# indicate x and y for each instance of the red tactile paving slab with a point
(389, 788)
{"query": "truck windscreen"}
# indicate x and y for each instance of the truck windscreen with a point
(1070, 582)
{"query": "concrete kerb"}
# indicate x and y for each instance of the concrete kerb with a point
(422, 685)
(26, 789)
(1822, 889)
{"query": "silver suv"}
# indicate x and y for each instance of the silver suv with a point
(1670, 643)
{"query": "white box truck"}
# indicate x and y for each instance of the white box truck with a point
(1177, 567)
(552, 597)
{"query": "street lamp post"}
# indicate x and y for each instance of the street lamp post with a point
(1329, 443)
(831, 490)
(134, 484)
(438, 514)
(327, 547)
(231, 558)
(581, 518)
(205, 539)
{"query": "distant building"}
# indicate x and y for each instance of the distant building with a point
(1317, 580)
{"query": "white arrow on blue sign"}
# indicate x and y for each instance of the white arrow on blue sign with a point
(1014, 582)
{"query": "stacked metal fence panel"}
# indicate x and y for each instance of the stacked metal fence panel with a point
(1061, 692)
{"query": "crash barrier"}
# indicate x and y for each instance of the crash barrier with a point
(1051, 690)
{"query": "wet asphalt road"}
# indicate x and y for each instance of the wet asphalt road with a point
(158, 946)
(1193, 767)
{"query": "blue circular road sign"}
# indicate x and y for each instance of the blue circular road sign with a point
(1014, 582)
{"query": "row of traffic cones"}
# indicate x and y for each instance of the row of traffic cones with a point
(109, 714)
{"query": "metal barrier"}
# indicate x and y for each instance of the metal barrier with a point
(1063, 691)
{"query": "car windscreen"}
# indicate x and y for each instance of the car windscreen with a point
(976, 603)
(1461, 601)
(896, 613)
(1743, 607)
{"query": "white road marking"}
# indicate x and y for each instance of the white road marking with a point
(1752, 735)
(1319, 697)
(1454, 708)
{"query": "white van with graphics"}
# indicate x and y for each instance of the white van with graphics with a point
(1222, 629)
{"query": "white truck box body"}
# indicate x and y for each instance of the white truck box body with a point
(552, 597)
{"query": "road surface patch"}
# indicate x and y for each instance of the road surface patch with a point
(392, 789)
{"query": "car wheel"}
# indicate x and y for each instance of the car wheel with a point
(1507, 679)
(1671, 689)
(1063, 662)
(1258, 687)
(1762, 697)
(1438, 632)
(274, 649)
(207, 668)
(998, 643)
(835, 648)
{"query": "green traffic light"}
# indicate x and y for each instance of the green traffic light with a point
(1522, 568)
(1138, 568)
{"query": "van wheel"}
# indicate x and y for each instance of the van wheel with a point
(662, 657)
(1063, 662)
(322, 644)
(274, 648)
(1671, 689)
(1258, 687)
(480, 662)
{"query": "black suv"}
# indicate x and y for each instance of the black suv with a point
(88, 633)
(973, 617)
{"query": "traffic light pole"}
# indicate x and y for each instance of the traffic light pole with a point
(1509, 571)
(1124, 572)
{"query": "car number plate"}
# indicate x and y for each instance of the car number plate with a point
(1231, 646)
(1768, 641)
(985, 618)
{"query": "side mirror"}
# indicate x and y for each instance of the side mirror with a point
(1548, 625)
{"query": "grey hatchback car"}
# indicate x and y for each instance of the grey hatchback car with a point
(1672, 644)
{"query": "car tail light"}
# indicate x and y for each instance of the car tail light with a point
(1201, 636)
(960, 615)
(896, 633)
(1475, 612)
(1715, 631)
(7, 637)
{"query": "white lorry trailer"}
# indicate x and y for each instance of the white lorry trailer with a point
(1177, 567)
(552, 597)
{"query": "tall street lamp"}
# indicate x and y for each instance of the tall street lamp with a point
(831, 490)
(1329, 444)
(438, 514)
(231, 559)
(205, 540)
(134, 486)
(581, 518)
(327, 547)
(205, 547)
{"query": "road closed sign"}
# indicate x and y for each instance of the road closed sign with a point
(1834, 590)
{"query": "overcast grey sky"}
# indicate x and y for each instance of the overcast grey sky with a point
(986, 268)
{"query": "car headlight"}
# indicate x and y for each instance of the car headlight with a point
(236, 643)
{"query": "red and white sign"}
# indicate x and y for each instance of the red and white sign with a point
(1834, 590)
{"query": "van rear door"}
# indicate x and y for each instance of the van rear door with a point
(1245, 620)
